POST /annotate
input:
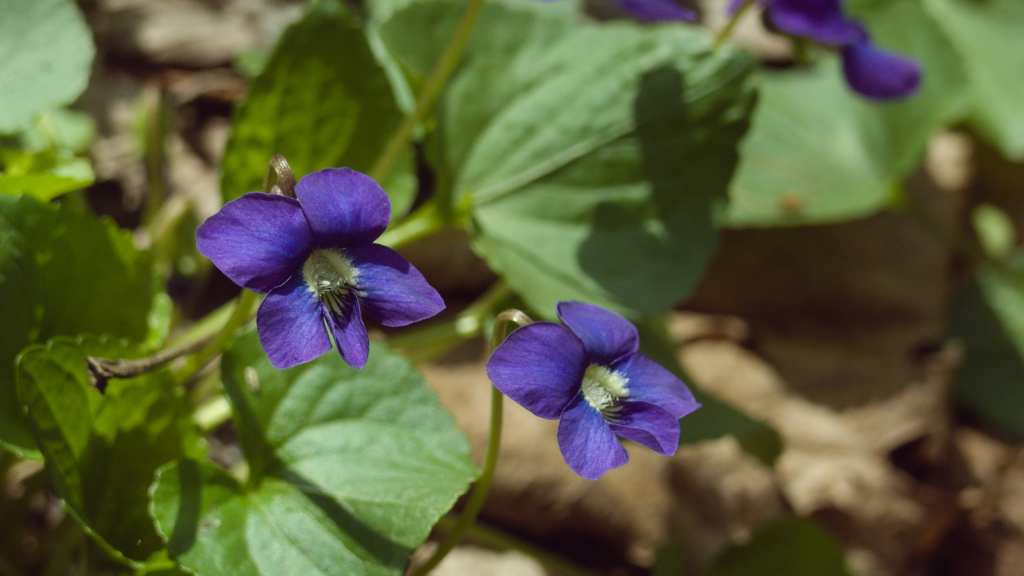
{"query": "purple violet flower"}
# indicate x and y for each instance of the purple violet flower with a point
(589, 375)
(656, 10)
(315, 259)
(869, 70)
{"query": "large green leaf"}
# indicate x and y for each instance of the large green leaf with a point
(102, 451)
(46, 54)
(790, 546)
(348, 471)
(988, 317)
(594, 158)
(818, 153)
(62, 273)
(715, 418)
(988, 36)
(322, 100)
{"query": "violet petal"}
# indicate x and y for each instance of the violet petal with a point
(346, 323)
(650, 382)
(588, 444)
(391, 290)
(656, 10)
(819, 20)
(879, 74)
(647, 425)
(258, 240)
(540, 366)
(606, 335)
(344, 207)
(291, 325)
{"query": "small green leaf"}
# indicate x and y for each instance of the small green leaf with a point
(790, 546)
(46, 53)
(43, 175)
(988, 37)
(102, 451)
(988, 317)
(62, 273)
(593, 158)
(818, 153)
(348, 470)
(714, 419)
(321, 100)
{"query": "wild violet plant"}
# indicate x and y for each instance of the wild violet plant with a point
(587, 162)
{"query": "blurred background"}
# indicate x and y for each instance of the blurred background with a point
(861, 345)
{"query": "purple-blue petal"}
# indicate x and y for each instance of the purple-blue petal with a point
(650, 382)
(656, 10)
(588, 444)
(344, 208)
(540, 366)
(391, 290)
(291, 325)
(879, 74)
(606, 335)
(346, 324)
(258, 240)
(819, 20)
(647, 425)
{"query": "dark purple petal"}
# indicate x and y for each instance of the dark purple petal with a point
(346, 323)
(656, 10)
(540, 366)
(344, 208)
(606, 335)
(291, 325)
(588, 444)
(258, 240)
(820, 20)
(650, 382)
(391, 290)
(647, 425)
(878, 74)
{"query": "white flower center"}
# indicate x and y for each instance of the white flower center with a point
(330, 275)
(603, 389)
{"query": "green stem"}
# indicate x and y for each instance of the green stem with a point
(431, 91)
(426, 220)
(246, 301)
(483, 485)
(497, 539)
(724, 33)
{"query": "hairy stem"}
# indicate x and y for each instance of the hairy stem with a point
(483, 485)
(103, 369)
(725, 32)
(399, 141)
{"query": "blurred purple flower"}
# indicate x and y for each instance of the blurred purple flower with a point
(315, 259)
(656, 10)
(869, 70)
(589, 375)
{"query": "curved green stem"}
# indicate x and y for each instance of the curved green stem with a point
(483, 485)
(724, 33)
(431, 91)
(426, 220)
(238, 318)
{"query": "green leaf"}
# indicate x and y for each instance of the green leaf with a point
(988, 36)
(819, 153)
(988, 317)
(348, 470)
(790, 546)
(714, 419)
(62, 273)
(593, 158)
(46, 53)
(321, 100)
(43, 175)
(102, 451)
